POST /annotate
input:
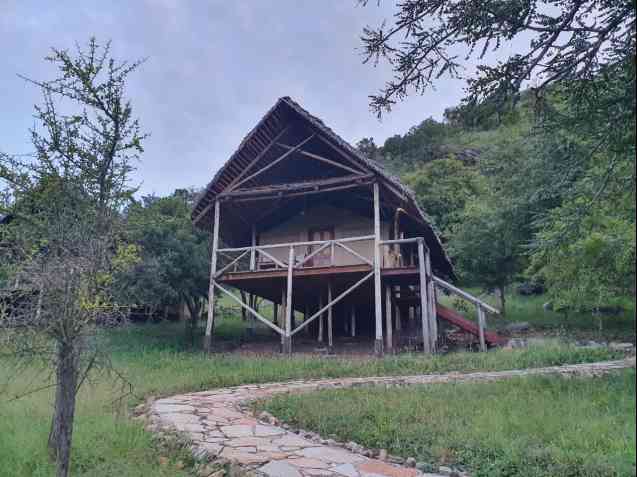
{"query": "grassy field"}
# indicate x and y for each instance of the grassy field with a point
(528, 427)
(157, 360)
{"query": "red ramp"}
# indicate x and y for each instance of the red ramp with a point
(469, 326)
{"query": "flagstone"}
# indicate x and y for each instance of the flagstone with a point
(237, 431)
(332, 454)
(279, 469)
(378, 468)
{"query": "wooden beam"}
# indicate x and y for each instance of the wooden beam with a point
(330, 337)
(220, 272)
(211, 287)
(321, 159)
(467, 296)
(320, 323)
(257, 158)
(338, 150)
(378, 343)
(356, 254)
(275, 162)
(481, 326)
(295, 186)
(352, 327)
(289, 309)
(424, 305)
(431, 297)
(290, 195)
(203, 212)
(388, 322)
(322, 309)
(253, 242)
(251, 310)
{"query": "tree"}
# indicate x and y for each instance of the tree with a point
(443, 188)
(174, 266)
(486, 245)
(580, 65)
(570, 41)
(65, 237)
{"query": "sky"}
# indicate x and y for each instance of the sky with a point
(213, 69)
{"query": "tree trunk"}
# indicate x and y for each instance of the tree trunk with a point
(244, 316)
(194, 308)
(501, 299)
(64, 408)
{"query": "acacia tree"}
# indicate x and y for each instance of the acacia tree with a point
(568, 40)
(66, 203)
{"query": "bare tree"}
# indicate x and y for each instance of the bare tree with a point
(64, 242)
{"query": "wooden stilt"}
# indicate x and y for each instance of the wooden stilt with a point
(424, 305)
(330, 337)
(275, 313)
(320, 321)
(431, 299)
(289, 309)
(213, 270)
(398, 313)
(481, 326)
(352, 327)
(378, 311)
(388, 322)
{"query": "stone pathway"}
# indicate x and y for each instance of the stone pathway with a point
(220, 427)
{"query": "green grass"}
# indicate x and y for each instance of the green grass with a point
(527, 427)
(157, 360)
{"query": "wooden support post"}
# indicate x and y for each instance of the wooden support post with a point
(289, 309)
(388, 324)
(352, 327)
(275, 313)
(431, 298)
(253, 254)
(424, 305)
(481, 326)
(398, 315)
(252, 301)
(378, 310)
(330, 338)
(320, 320)
(213, 271)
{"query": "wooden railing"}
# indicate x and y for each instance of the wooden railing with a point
(310, 250)
(405, 252)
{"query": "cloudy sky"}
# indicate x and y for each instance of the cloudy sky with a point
(213, 69)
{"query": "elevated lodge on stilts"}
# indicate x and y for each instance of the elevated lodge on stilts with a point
(302, 219)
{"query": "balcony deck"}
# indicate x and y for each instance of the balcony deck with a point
(236, 277)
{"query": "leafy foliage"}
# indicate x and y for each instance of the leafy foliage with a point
(173, 266)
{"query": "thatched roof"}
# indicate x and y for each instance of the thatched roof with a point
(285, 112)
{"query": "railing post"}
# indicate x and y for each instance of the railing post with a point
(253, 254)
(481, 326)
(213, 271)
(331, 253)
(378, 311)
(424, 302)
(289, 309)
(431, 297)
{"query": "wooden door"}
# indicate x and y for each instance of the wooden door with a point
(324, 257)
